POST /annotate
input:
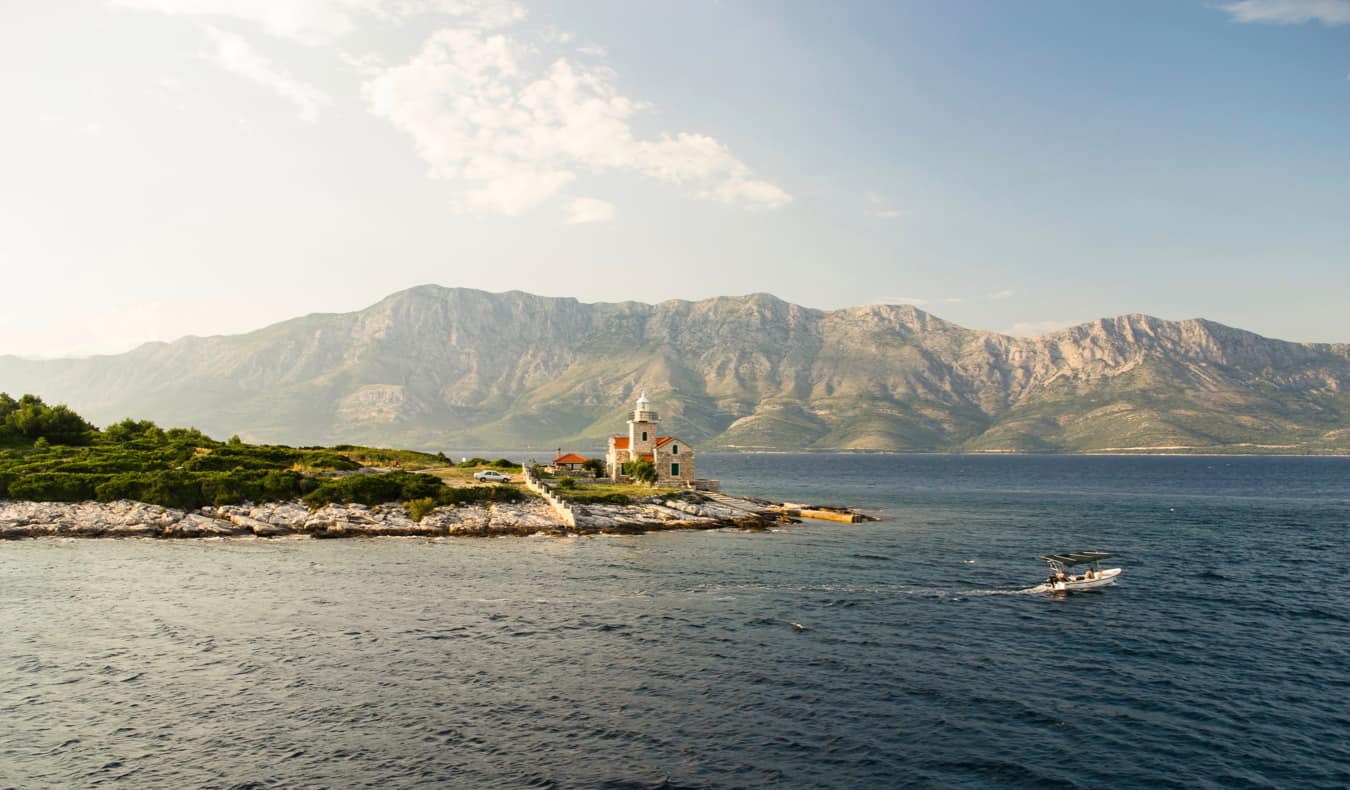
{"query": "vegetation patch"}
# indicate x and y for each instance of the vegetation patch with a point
(51, 454)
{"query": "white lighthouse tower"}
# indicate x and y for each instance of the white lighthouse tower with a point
(642, 429)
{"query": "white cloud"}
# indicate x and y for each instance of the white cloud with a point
(586, 210)
(750, 192)
(1007, 293)
(1291, 12)
(593, 51)
(911, 300)
(479, 110)
(1034, 328)
(515, 192)
(236, 55)
(482, 107)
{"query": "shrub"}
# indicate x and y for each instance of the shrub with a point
(128, 430)
(505, 463)
(327, 460)
(30, 418)
(642, 471)
(174, 489)
(419, 508)
(596, 465)
(396, 486)
(54, 487)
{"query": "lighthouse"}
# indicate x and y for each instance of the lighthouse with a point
(642, 429)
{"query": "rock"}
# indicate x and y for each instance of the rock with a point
(125, 518)
(262, 529)
(194, 525)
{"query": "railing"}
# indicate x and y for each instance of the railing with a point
(564, 510)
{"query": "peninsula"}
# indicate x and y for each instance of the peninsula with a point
(62, 477)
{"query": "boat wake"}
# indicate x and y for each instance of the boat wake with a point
(1040, 588)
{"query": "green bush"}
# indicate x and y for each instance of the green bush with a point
(30, 418)
(479, 495)
(130, 430)
(327, 460)
(419, 508)
(54, 487)
(641, 471)
(505, 463)
(397, 486)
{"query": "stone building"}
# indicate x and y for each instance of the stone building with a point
(673, 459)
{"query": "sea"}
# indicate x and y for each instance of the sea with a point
(914, 651)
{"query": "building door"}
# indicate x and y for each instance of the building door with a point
(674, 470)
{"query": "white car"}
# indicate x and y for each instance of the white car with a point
(491, 476)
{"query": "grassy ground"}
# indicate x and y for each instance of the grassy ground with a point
(462, 476)
(612, 493)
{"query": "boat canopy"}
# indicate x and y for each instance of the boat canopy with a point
(1076, 558)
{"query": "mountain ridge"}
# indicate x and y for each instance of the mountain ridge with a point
(432, 366)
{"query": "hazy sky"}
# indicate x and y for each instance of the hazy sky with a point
(173, 167)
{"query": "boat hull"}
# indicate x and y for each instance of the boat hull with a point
(1106, 578)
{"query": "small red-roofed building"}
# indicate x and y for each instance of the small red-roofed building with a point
(570, 462)
(673, 459)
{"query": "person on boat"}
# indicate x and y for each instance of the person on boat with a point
(1061, 575)
(1090, 574)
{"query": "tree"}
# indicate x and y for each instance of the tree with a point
(129, 429)
(33, 419)
(641, 471)
(596, 465)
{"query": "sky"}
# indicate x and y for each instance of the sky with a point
(199, 167)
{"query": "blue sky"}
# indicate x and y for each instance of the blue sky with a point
(211, 166)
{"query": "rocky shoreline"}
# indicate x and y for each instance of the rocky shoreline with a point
(129, 519)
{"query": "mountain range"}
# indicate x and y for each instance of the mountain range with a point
(449, 368)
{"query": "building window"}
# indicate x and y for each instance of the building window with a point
(674, 449)
(644, 436)
(674, 470)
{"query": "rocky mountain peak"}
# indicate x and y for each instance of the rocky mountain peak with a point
(439, 368)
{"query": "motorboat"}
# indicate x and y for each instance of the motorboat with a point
(1064, 579)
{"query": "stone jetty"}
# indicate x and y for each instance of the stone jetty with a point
(128, 519)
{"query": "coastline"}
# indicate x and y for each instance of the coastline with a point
(130, 519)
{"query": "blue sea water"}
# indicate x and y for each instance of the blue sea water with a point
(906, 652)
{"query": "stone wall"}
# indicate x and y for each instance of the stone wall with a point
(565, 512)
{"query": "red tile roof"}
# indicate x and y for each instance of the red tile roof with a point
(570, 458)
(647, 457)
(620, 442)
(662, 441)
